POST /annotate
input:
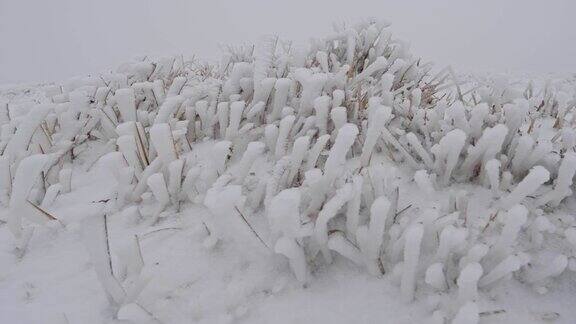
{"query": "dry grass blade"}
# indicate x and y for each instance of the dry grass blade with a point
(108, 245)
(107, 117)
(492, 218)
(492, 312)
(401, 211)
(251, 228)
(142, 152)
(47, 133)
(45, 213)
(145, 235)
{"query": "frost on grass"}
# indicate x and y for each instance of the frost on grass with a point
(354, 149)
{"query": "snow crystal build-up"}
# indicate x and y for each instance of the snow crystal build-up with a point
(285, 172)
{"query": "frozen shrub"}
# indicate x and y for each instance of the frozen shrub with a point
(350, 149)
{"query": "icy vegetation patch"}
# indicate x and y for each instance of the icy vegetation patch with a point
(351, 151)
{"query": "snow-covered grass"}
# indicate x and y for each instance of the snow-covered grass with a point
(212, 193)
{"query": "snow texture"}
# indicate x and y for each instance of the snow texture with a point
(287, 184)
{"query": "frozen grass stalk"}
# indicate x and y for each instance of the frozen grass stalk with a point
(467, 314)
(253, 151)
(337, 156)
(295, 254)
(378, 118)
(285, 126)
(236, 109)
(370, 237)
(468, 282)
(410, 266)
(126, 104)
(326, 214)
(537, 176)
(339, 243)
(503, 269)
(353, 207)
(161, 137)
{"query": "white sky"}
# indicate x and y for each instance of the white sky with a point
(49, 40)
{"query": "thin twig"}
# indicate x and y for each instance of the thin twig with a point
(161, 229)
(45, 213)
(251, 228)
(401, 211)
(108, 245)
(492, 218)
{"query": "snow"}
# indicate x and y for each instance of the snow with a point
(27, 174)
(253, 151)
(435, 276)
(161, 138)
(468, 282)
(337, 156)
(555, 268)
(294, 252)
(378, 116)
(338, 242)
(321, 106)
(535, 178)
(283, 189)
(447, 152)
(468, 314)
(370, 236)
(158, 186)
(379, 64)
(326, 214)
(168, 107)
(126, 104)
(410, 265)
(284, 213)
(20, 140)
(353, 207)
(507, 266)
(297, 156)
(283, 132)
(236, 110)
(422, 179)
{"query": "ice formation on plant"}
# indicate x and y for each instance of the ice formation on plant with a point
(352, 149)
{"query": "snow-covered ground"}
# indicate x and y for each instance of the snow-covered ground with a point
(54, 282)
(347, 183)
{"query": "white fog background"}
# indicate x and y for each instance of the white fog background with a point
(50, 40)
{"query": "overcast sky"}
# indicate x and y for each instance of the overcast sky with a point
(51, 40)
